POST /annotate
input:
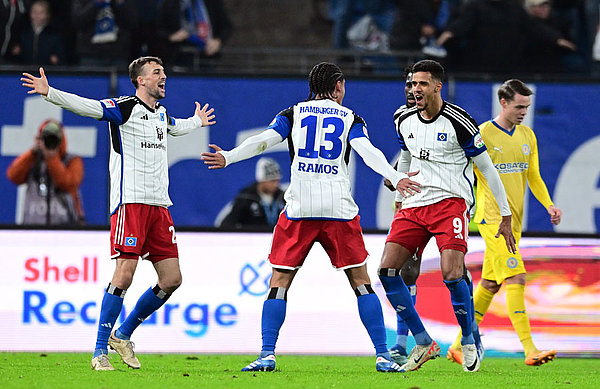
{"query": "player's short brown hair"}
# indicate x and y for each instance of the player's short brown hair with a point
(322, 80)
(510, 88)
(433, 67)
(135, 68)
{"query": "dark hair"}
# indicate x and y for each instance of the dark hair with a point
(433, 67)
(407, 70)
(135, 68)
(510, 88)
(322, 79)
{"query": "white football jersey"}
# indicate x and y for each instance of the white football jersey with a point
(441, 148)
(318, 134)
(138, 153)
(138, 149)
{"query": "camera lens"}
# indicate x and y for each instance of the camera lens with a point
(51, 141)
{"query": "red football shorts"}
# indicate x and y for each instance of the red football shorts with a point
(141, 230)
(447, 220)
(293, 239)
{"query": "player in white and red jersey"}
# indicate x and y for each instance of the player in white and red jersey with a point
(141, 225)
(441, 141)
(319, 207)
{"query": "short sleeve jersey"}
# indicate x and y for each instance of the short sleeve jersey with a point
(138, 152)
(441, 149)
(318, 134)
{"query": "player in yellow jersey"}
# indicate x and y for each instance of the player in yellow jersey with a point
(513, 149)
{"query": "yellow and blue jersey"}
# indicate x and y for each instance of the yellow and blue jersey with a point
(515, 155)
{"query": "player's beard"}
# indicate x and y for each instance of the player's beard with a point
(155, 93)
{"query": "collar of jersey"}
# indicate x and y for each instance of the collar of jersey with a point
(509, 132)
(433, 119)
(146, 105)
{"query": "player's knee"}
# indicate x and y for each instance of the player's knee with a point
(170, 284)
(452, 274)
(517, 279)
(122, 280)
(490, 286)
(410, 272)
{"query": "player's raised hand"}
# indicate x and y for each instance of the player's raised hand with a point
(505, 230)
(555, 215)
(214, 160)
(407, 187)
(37, 84)
(205, 114)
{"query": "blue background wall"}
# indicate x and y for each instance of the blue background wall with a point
(565, 118)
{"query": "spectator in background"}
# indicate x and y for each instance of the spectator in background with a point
(52, 176)
(12, 14)
(145, 37)
(259, 204)
(104, 29)
(40, 43)
(549, 50)
(596, 45)
(492, 36)
(202, 25)
(345, 14)
(61, 22)
(417, 28)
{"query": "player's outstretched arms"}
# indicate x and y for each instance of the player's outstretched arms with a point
(505, 230)
(37, 85)
(214, 160)
(555, 215)
(205, 114)
(250, 147)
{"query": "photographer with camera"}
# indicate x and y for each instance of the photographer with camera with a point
(52, 177)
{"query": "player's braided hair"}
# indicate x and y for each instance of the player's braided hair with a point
(135, 68)
(322, 79)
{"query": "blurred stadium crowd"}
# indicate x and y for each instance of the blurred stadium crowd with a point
(483, 36)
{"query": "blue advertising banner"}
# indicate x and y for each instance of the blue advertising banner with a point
(562, 116)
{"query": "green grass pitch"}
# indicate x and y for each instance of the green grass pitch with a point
(72, 370)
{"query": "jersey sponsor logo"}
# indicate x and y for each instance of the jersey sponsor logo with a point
(411, 136)
(308, 167)
(159, 134)
(108, 103)
(478, 141)
(525, 149)
(162, 116)
(130, 241)
(499, 149)
(511, 167)
(512, 262)
(150, 145)
(144, 117)
(442, 137)
(424, 154)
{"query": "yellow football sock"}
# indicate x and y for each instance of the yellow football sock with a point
(515, 305)
(482, 298)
